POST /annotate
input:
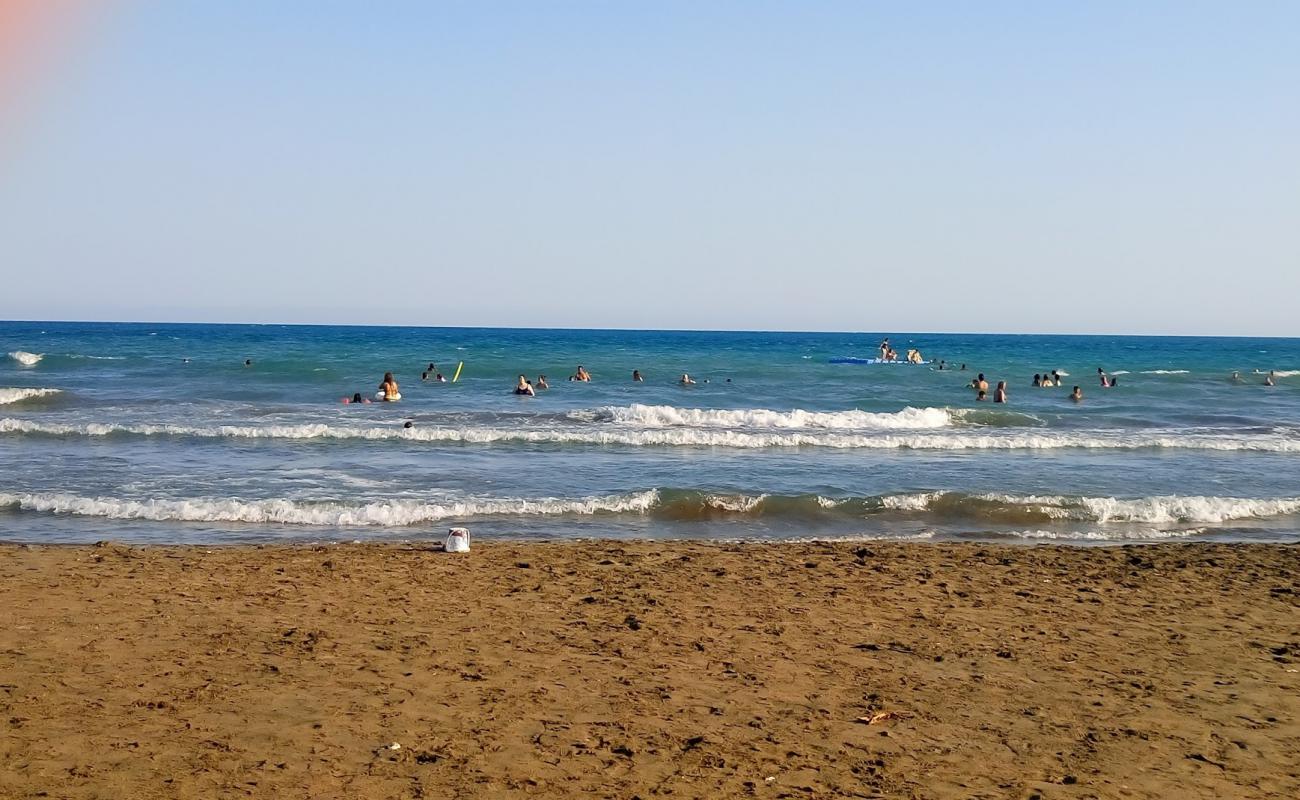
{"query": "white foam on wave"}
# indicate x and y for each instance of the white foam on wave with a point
(909, 502)
(1162, 372)
(1119, 372)
(1281, 373)
(735, 503)
(1110, 535)
(1163, 509)
(8, 396)
(650, 416)
(25, 358)
(386, 513)
(693, 437)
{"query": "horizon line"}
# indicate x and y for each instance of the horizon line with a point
(645, 330)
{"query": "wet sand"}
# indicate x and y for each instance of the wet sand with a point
(620, 670)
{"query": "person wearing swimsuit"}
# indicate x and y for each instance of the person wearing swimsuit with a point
(389, 388)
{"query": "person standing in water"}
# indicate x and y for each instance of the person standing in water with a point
(1077, 395)
(524, 387)
(541, 382)
(1000, 394)
(636, 376)
(686, 380)
(1268, 380)
(389, 388)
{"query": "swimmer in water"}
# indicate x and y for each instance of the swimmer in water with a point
(1105, 382)
(541, 382)
(356, 399)
(439, 378)
(432, 367)
(524, 387)
(389, 388)
(424, 376)
(248, 362)
(636, 376)
(582, 375)
(1077, 395)
(1056, 378)
(686, 380)
(1000, 395)
(980, 384)
(1268, 380)
(943, 364)
(1236, 377)
(963, 368)
(982, 395)
(1038, 380)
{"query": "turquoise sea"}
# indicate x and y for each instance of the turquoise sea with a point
(162, 433)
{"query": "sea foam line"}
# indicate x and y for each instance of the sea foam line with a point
(685, 437)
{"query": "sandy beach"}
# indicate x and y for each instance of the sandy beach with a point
(647, 669)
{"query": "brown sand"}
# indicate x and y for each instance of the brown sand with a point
(621, 670)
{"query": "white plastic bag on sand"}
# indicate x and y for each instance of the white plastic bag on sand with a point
(457, 541)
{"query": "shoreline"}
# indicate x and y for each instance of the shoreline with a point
(620, 668)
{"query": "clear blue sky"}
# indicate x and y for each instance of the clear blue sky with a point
(1038, 167)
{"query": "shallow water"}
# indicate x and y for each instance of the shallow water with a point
(159, 433)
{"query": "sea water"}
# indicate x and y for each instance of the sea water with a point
(162, 433)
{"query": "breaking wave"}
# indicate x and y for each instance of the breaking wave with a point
(8, 396)
(1276, 442)
(25, 358)
(944, 508)
(670, 416)
(386, 513)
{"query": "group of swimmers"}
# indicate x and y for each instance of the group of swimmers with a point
(1269, 379)
(1041, 380)
(528, 388)
(390, 392)
(888, 353)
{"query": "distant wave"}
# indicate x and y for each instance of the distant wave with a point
(1280, 373)
(671, 416)
(25, 358)
(95, 358)
(1162, 372)
(8, 396)
(945, 508)
(1013, 439)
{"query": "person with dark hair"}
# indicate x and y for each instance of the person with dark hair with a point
(1077, 395)
(636, 376)
(1038, 380)
(1000, 395)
